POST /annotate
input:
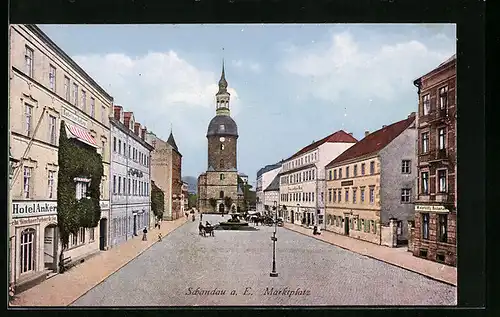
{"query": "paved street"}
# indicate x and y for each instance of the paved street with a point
(172, 271)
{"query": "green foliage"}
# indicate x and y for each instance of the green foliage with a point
(192, 198)
(228, 201)
(77, 160)
(213, 202)
(157, 201)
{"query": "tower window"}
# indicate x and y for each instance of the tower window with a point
(222, 146)
(221, 163)
(221, 194)
(222, 128)
(221, 177)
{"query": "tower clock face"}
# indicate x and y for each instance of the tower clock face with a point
(222, 139)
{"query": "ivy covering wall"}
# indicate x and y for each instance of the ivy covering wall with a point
(77, 160)
(157, 201)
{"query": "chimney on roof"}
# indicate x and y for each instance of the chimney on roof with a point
(143, 133)
(366, 133)
(137, 127)
(350, 133)
(384, 126)
(413, 114)
(117, 114)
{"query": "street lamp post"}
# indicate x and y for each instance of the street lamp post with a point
(298, 213)
(274, 239)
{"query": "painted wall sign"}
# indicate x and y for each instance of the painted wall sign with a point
(104, 204)
(430, 208)
(33, 208)
(33, 220)
(294, 188)
(346, 183)
(73, 116)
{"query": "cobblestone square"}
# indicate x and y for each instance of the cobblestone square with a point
(181, 269)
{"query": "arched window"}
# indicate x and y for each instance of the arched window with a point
(28, 250)
(221, 164)
(222, 146)
(221, 194)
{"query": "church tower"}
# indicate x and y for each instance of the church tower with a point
(222, 133)
(220, 181)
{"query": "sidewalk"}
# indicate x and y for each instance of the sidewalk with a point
(395, 256)
(63, 289)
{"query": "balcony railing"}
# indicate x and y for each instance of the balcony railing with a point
(438, 155)
(438, 114)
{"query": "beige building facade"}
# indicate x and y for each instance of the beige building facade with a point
(46, 87)
(369, 186)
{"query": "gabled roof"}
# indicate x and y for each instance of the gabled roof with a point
(374, 142)
(171, 141)
(275, 184)
(337, 137)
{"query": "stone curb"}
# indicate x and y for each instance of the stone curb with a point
(378, 259)
(127, 262)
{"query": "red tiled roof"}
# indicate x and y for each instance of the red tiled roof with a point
(337, 137)
(374, 142)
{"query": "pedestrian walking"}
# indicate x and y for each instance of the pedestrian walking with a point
(144, 232)
(159, 225)
(159, 237)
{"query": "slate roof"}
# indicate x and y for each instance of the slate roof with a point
(374, 142)
(275, 184)
(337, 137)
(171, 141)
(268, 168)
(227, 123)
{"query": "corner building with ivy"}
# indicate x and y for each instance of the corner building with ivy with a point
(46, 88)
(130, 177)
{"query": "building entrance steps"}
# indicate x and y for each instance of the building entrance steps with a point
(396, 256)
(64, 289)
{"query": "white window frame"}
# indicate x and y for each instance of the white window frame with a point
(372, 194)
(75, 94)
(426, 104)
(50, 184)
(442, 183)
(424, 183)
(441, 138)
(28, 118)
(67, 88)
(443, 97)
(52, 130)
(52, 77)
(92, 107)
(27, 181)
(406, 195)
(84, 100)
(425, 142)
(28, 250)
(81, 186)
(405, 166)
(28, 60)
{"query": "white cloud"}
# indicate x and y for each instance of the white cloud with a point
(344, 67)
(161, 89)
(247, 65)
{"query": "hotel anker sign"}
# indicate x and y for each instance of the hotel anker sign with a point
(33, 208)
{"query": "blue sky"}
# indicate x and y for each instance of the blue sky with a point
(290, 84)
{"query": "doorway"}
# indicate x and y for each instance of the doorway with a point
(50, 247)
(221, 208)
(103, 239)
(346, 226)
(293, 216)
(135, 225)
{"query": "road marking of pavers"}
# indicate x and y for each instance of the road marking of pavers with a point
(400, 265)
(124, 264)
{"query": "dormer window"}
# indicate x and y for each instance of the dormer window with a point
(222, 128)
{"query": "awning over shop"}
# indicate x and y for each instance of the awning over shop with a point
(80, 134)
